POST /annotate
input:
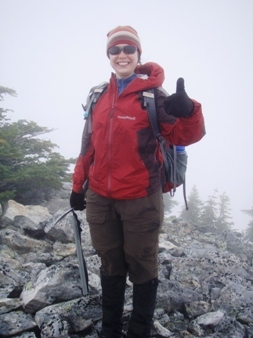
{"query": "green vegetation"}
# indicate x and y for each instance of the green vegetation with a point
(30, 168)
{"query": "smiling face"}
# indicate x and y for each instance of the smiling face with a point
(124, 64)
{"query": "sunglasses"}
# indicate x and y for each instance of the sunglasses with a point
(115, 50)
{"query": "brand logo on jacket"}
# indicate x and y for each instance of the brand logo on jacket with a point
(127, 117)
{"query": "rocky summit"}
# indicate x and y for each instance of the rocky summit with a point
(205, 279)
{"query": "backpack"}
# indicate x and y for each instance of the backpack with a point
(175, 163)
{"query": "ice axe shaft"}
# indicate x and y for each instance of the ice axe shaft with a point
(80, 258)
(79, 252)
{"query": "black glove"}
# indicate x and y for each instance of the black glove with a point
(179, 104)
(77, 201)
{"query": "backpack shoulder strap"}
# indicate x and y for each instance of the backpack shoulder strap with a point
(150, 105)
(93, 97)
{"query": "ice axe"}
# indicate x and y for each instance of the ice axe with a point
(81, 261)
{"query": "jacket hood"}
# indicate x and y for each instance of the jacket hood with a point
(154, 72)
(149, 75)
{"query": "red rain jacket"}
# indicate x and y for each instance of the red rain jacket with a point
(121, 157)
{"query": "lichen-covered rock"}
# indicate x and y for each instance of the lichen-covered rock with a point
(56, 283)
(54, 326)
(15, 322)
(62, 230)
(79, 313)
(205, 280)
(35, 213)
(9, 304)
(23, 244)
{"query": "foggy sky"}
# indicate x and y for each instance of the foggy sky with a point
(53, 52)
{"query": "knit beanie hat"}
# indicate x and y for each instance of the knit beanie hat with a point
(121, 35)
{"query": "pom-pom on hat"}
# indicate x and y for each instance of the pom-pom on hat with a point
(123, 35)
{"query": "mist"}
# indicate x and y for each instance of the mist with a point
(53, 52)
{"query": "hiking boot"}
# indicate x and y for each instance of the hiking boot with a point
(113, 297)
(144, 300)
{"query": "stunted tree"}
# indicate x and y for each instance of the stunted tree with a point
(195, 205)
(224, 218)
(29, 166)
(249, 230)
(216, 212)
(209, 211)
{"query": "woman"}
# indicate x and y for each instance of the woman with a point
(122, 160)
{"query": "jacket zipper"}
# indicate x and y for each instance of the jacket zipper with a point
(109, 145)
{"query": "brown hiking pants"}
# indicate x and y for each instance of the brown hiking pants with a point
(125, 234)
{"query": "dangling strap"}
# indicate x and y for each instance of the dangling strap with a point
(172, 192)
(149, 104)
(185, 198)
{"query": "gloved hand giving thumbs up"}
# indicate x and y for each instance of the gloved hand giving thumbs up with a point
(179, 104)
